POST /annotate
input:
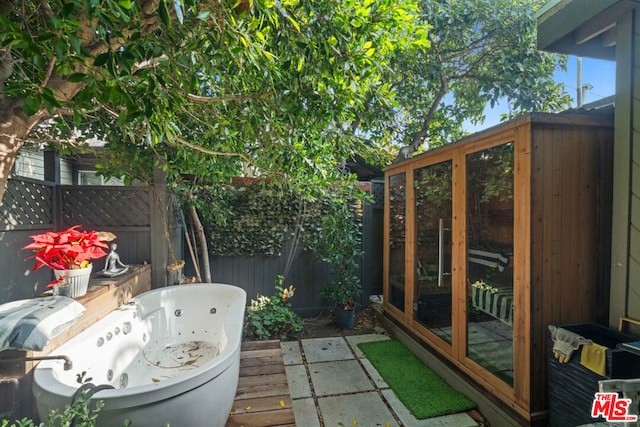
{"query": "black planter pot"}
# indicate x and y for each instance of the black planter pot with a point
(345, 317)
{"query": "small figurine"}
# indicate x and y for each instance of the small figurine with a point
(113, 266)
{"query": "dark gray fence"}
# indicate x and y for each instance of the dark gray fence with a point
(257, 274)
(134, 214)
(141, 217)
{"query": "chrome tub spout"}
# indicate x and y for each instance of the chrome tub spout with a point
(68, 364)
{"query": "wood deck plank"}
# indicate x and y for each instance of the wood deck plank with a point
(263, 419)
(261, 391)
(271, 379)
(249, 371)
(262, 397)
(260, 345)
(260, 361)
(270, 403)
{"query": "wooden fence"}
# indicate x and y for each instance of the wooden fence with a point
(257, 274)
(139, 217)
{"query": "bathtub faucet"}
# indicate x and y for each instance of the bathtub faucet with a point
(68, 364)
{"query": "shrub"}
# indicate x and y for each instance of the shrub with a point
(272, 317)
(81, 412)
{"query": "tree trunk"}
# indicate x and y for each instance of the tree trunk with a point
(14, 129)
(195, 219)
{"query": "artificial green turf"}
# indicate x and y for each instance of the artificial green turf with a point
(421, 391)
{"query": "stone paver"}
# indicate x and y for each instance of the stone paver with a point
(345, 389)
(326, 349)
(375, 376)
(306, 412)
(291, 353)
(361, 409)
(343, 376)
(298, 381)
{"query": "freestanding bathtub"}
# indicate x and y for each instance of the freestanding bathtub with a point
(171, 354)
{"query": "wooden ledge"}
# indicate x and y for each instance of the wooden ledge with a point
(103, 296)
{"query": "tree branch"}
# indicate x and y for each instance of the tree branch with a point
(418, 139)
(50, 68)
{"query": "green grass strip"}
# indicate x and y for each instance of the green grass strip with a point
(420, 389)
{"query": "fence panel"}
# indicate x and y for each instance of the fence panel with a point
(26, 204)
(33, 207)
(257, 276)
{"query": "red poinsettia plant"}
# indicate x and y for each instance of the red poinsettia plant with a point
(69, 249)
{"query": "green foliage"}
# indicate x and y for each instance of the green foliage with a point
(259, 218)
(252, 220)
(272, 317)
(339, 244)
(206, 88)
(82, 411)
(482, 52)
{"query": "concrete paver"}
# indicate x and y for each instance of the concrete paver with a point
(291, 353)
(361, 409)
(326, 349)
(340, 377)
(298, 381)
(306, 412)
(333, 384)
(375, 376)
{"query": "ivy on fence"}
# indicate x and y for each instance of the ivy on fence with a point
(259, 218)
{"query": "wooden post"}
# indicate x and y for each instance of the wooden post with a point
(159, 244)
(52, 166)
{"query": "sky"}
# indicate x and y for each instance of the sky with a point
(601, 75)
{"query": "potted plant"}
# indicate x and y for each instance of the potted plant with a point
(343, 290)
(68, 253)
(340, 246)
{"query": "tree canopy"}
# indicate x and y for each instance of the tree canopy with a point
(481, 53)
(211, 87)
(280, 89)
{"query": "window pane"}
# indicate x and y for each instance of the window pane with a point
(432, 296)
(490, 260)
(397, 200)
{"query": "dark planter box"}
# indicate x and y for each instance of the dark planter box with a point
(571, 387)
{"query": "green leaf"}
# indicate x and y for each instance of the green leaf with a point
(102, 59)
(126, 4)
(76, 77)
(164, 13)
(76, 43)
(32, 104)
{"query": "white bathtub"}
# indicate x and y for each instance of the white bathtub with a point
(172, 354)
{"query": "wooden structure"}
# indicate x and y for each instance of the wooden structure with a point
(262, 398)
(608, 29)
(491, 239)
(102, 297)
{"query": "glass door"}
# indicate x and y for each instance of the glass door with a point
(432, 275)
(490, 221)
(397, 214)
